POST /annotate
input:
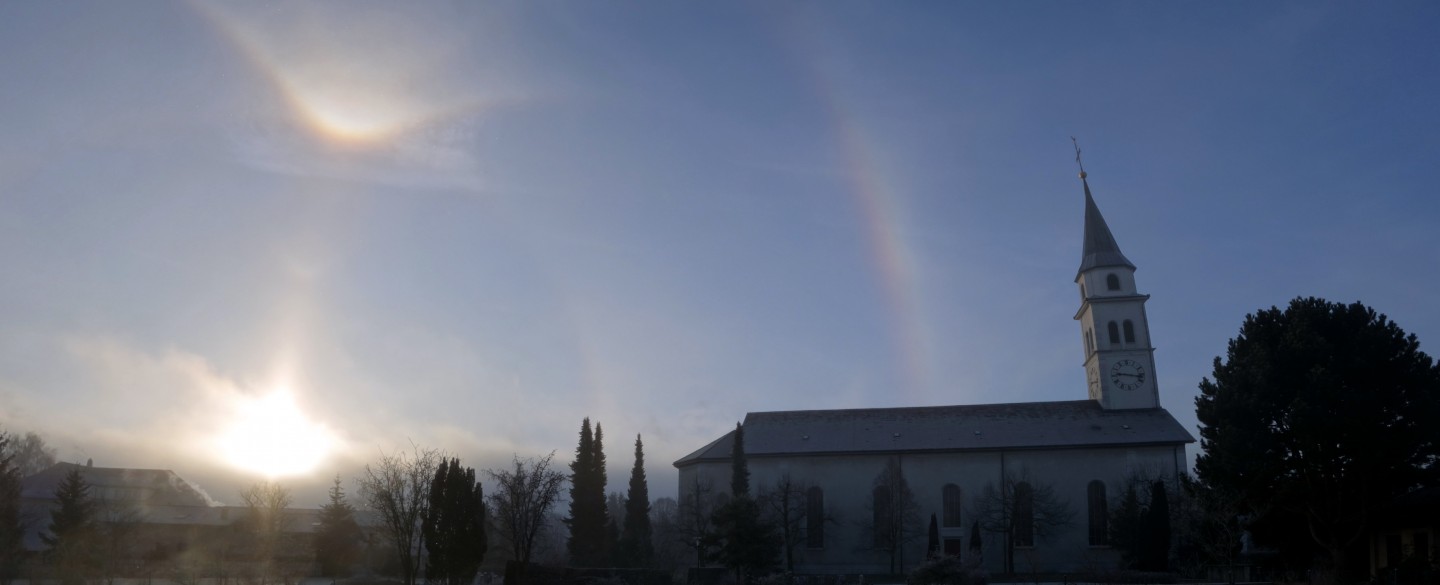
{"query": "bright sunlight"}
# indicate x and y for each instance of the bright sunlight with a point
(270, 436)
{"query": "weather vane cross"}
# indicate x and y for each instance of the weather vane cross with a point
(1077, 156)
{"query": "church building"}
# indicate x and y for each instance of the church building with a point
(1074, 455)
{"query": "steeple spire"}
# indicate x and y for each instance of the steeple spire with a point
(1100, 248)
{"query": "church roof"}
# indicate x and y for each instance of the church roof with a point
(1100, 247)
(981, 427)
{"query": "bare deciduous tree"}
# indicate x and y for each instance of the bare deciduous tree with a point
(696, 506)
(1023, 511)
(397, 489)
(894, 519)
(521, 503)
(265, 522)
(786, 506)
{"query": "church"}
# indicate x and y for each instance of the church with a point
(1076, 454)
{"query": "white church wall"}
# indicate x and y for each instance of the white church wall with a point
(848, 481)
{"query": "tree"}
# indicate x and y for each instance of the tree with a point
(522, 501)
(1127, 527)
(746, 544)
(397, 489)
(1320, 413)
(787, 509)
(71, 534)
(894, 514)
(11, 530)
(932, 544)
(1022, 511)
(337, 539)
(32, 455)
(668, 536)
(265, 523)
(588, 514)
(454, 525)
(1155, 525)
(636, 548)
(695, 528)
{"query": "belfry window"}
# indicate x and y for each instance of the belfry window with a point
(1129, 332)
(1112, 282)
(1114, 331)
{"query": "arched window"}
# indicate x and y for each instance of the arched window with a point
(950, 506)
(815, 518)
(1114, 330)
(1112, 282)
(1024, 515)
(884, 517)
(1099, 515)
(1129, 332)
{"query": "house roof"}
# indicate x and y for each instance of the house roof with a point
(1100, 248)
(981, 427)
(148, 487)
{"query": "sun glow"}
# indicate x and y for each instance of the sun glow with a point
(271, 436)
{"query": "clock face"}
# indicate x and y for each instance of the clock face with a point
(1127, 374)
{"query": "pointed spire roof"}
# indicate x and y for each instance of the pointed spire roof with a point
(1100, 247)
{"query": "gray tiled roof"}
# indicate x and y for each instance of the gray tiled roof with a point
(982, 427)
(1100, 248)
(153, 487)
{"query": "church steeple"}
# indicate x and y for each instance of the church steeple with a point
(1100, 249)
(1119, 358)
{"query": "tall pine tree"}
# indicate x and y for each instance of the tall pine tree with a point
(587, 501)
(454, 525)
(72, 529)
(337, 539)
(635, 546)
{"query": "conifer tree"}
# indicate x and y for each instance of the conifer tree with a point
(746, 544)
(337, 539)
(636, 548)
(72, 528)
(1155, 525)
(587, 501)
(454, 525)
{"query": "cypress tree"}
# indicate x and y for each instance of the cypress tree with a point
(636, 548)
(588, 517)
(932, 548)
(454, 525)
(1155, 525)
(747, 545)
(610, 528)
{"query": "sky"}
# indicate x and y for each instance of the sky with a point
(278, 239)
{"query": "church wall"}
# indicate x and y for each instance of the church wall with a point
(848, 481)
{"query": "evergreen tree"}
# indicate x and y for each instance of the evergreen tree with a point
(337, 539)
(611, 533)
(72, 528)
(746, 544)
(587, 502)
(635, 547)
(454, 525)
(1155, 526)
(932, 547)
(1126, 531)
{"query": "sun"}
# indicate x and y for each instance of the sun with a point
(272, 437)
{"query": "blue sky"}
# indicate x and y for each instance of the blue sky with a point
(469, 225)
